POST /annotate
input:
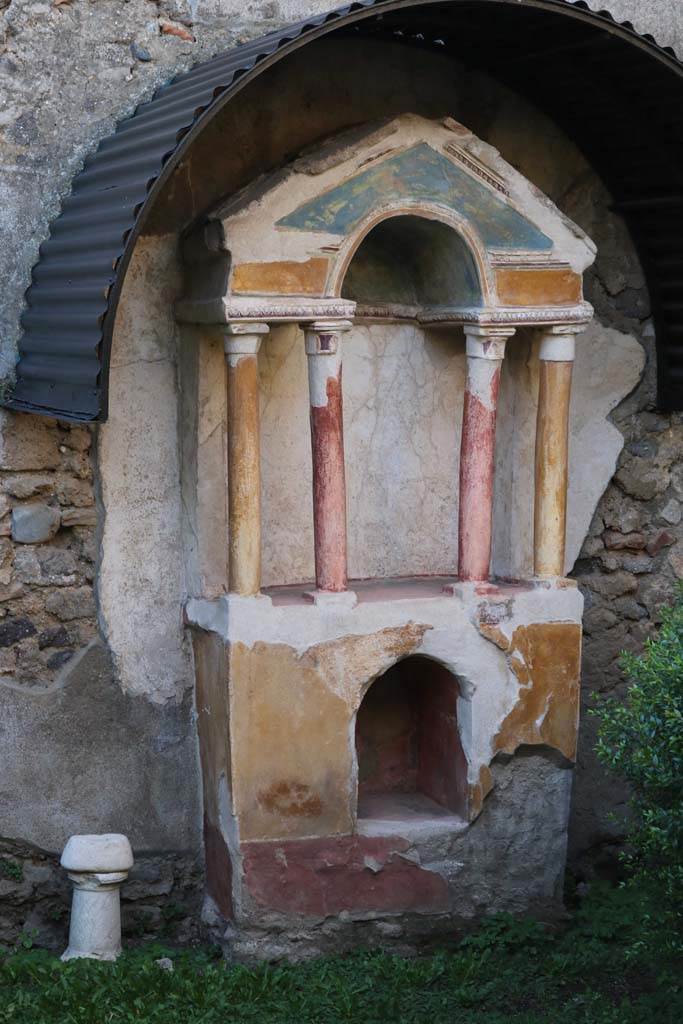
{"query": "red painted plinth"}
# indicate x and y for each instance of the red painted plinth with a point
(317, 877)
(329, 489)
(477, 459)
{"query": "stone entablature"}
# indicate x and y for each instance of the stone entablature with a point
(282, 248)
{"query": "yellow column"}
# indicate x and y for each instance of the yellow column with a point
(552, 448)
(242, 342)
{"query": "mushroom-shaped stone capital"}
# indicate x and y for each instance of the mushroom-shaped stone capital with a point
(101, 854)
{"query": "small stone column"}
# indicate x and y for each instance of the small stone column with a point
(552, 448)
(242, 342)
(485, 351)
(324, 352)
(97, 865)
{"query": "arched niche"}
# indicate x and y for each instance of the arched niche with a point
(410, 761)
(411, 261)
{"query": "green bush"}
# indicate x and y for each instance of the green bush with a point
(641, 738)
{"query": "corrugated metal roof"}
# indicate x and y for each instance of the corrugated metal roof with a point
(64, 350)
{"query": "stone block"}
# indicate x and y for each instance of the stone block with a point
(610, 584)
(27, 442)
(597, 619)
(34, 523)
(663, 539)
(6, 561)
(79, 439)
(67, 604)
(637, 564)
(27, 567)
(74, 491)
(676, 560)
(56, 637)
(14, 630)
(620, 541)
(677, 479)
(27, 485)
(642, 479)
(79, 517)
(671, 513)
(620, 515)
(58, 566)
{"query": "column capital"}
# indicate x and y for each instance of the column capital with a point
(558, 342)
(243, 339)
(321, 336)
(487, 342)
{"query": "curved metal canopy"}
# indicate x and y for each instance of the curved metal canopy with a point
(616, 93)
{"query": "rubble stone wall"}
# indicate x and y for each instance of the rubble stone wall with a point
(47, 547)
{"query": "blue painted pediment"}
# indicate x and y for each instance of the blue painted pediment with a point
(419, 174)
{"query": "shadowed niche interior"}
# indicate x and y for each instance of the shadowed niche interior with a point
(412, 262)
(411, 765)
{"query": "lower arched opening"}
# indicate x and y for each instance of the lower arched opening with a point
(411, 765)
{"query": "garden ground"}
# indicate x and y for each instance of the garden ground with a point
(616, 960)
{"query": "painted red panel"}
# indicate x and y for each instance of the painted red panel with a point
(442, 767)
(329, 489)
(407, 737)
(317, 877)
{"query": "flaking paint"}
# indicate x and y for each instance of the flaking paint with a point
(538, 287)
(320, 877)
(282, 277)
(419, 174)
(329, 487)
(546, 660)
(477, 461)
(292, 751)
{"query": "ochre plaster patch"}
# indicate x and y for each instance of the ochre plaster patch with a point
(538, 287)
(293, 750)
(283, 277)
(546, 659)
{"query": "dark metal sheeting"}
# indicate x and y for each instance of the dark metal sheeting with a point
(616, 93)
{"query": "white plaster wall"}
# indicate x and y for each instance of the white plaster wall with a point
(403, 392)
(608, 366)
(141, 579)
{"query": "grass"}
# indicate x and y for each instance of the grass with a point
(616, 962)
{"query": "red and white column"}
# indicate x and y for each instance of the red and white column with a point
(324, 352)
(485, 352)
